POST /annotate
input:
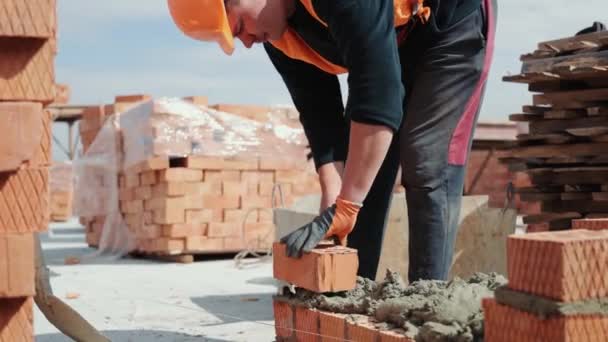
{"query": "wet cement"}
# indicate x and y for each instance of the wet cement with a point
(428, 311)
(545, 307)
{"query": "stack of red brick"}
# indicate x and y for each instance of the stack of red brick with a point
(327, 268)
(27, 52)
(559, 268)
(174, 201)
(61, 191)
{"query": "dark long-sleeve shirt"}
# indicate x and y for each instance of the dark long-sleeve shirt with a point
(360, 36)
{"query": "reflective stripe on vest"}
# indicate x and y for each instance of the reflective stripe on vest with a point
(293, 46)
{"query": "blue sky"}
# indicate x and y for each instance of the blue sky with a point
(115, 47)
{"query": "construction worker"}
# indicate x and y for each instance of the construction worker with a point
(416, 77)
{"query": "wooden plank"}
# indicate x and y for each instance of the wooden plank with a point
(586, 95)
(574, 196)
(582, 188)
(600, 138)
(565, 114)
(574, 43)
(596, 111)
(566, 160)
(575, 176)
(525, 117)
(550, 151)
(588, 131)
(600, 196)
(538, 197)
(540, 189)
(554, 138)
(591, 59)
(604, 187)
(535, 109)
(548, 217)
(589, 206)
(560, 126)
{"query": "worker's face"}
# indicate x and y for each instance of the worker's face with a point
(257, 21)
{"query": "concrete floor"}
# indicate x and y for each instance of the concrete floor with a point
(141, 300)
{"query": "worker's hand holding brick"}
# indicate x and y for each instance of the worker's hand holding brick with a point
(336, 221)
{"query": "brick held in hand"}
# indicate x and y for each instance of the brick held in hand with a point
(566, 265)
(327, 268)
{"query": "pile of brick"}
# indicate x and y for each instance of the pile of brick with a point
(27, 52)
(557, 288)
(175, 201)
(565, 150)
(326, 269)
(61, 191)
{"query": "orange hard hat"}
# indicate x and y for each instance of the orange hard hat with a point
(203, 20)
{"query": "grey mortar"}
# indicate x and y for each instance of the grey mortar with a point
(428, 310)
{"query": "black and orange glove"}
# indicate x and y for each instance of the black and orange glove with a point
(336, 221)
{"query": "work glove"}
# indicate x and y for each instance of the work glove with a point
(336, 221)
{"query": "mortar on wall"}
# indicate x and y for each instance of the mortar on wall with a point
(480, 244)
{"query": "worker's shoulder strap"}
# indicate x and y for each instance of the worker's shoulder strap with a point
(292, 45)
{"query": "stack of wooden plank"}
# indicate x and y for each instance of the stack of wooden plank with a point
(27, 54)
(565, 151)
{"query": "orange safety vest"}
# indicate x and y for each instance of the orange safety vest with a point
(292, 45)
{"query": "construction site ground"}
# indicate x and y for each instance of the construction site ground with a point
(131, 299)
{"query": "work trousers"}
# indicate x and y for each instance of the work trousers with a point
(444, 71)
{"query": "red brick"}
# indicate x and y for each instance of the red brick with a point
(126, 194)
(132, 179)
(205, 244)
(284, 318)
(240, 164)
(169, 215)
(591, 224)
(307, 324)
(288, 176)
(171, 189)
(148, 177)
(151, 164)
(503, 323)
(204, 188)
(23, 124)
(210, 176)
(204, 163)
(149, 231)
(566, 265)
(240, 215)
(324, 269)
(31, 19)
(234, 244)
(361, 330)
(180, 174)
(256, 202)
(332, 327)
(234, 188)
(167, 245)
(24, 201)
(257, 176)
(184, 230)
(194, 216)
(143, 192)
(28, 67)
(221, 202)
(17, 319)
(277, 164)
(265, 215)
(225, 229)
(16, 265)
(134, 207)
